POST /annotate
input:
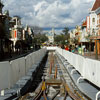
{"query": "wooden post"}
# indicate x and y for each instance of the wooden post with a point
(55, 76)
(50, 72)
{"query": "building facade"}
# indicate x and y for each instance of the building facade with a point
(15, 29)
(5, 43)
(96, 21)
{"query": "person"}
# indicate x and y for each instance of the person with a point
(70, 48)
(73, 50)
(76, 48)
(62, 46)
(80, 50)
(66, 48)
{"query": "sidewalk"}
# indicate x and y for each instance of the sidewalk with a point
(91, 55)
(15, 55)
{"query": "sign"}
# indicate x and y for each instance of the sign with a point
(15, 34)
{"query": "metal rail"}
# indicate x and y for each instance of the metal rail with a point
(38, 96)
(68, 91)
(44, 95)
(71, 92)
(42, 92)
(55, 95)
(66, 95)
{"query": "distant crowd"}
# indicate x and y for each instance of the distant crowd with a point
(74, 48)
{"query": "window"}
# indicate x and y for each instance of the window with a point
(93, 31)
(93, 21)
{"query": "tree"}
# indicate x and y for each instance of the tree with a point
(58, 39)
(2, 31)
(36, 29)
(66, 34)
(61, 39)
(40, 37)
(38, 40)
(65, 30)
(2, 37)
(43, 38)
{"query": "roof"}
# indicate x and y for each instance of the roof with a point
(96, 5)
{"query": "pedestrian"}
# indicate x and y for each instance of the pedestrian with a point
(73, 50)
(70, 48)
(66, 48)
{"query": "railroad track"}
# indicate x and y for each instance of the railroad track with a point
(55, 76)
(36, 81)
(70, 87)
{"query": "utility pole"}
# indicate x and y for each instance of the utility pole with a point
(96, 56)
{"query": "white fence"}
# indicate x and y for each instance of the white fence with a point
(11, 72)
(17, 69)
(88, 68)
(5, 76)
(51, 48)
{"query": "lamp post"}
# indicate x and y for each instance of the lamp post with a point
(96, 33)
(96, 56)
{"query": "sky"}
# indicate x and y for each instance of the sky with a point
(50, 13)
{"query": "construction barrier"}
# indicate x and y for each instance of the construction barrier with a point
(28, 61)
(88, 68)
(91, 71)
(5, 76)
(11, 72)
(17, 69)
(51, 48)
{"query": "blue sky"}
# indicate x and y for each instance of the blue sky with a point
(50, 13)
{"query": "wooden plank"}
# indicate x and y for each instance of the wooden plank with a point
(53, 82)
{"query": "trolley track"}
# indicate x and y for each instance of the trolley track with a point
(55, 76)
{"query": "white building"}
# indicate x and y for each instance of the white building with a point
(93, 22)
(15, 29)
(50, 36)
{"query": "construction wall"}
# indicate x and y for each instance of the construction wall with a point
(88, 68)
(11, 72)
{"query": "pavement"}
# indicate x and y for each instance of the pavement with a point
(15, 55)
(90, 55)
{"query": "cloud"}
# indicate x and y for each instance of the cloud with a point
(50, 13)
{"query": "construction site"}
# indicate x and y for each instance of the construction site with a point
(48, 74)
